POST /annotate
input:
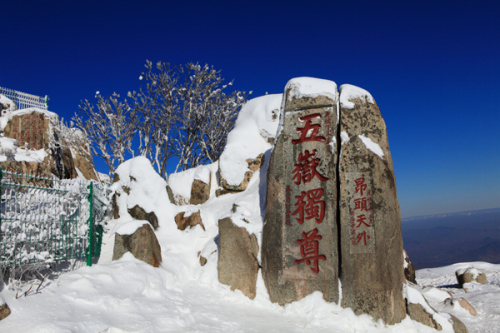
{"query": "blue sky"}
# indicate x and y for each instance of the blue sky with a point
(432, 66)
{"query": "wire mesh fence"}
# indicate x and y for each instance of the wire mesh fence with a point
(45, 220)
(24, 100)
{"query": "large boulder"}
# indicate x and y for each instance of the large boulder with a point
(238, 265)
(141, 242)
(370, 221)
(300, 236)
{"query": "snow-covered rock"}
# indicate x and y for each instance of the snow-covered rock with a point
(252, 136)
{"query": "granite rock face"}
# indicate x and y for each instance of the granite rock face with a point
(238, 265)
(300, 236)
(143, 245)
(370, 220)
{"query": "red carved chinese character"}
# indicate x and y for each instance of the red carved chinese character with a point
(309, 249)
(361, 220)
(360, 185)
(309, 131)
(361, 236)
(363, 204)
(313, 209)
(305, 170)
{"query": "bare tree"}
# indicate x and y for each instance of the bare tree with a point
(111, 126)
(180, 113)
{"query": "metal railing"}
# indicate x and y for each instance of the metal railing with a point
(45, 220)
(24, 100)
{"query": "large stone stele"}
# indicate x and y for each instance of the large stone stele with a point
(238, 265)
(143, 245)
(300, 238)
(370, 221)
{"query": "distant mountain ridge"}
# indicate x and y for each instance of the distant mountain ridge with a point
(444, 239)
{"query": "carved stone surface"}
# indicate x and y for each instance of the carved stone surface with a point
(370, 221)
(143, 244)
(300, 237)
(238, 265)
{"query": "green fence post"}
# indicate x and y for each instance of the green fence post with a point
(1, 178)
(91, 225)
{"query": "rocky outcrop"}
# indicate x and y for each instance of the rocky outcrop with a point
(37, 129)
(470, 275)
(238, 265)
(370, 221)
(142, 243)
(300, 236)
(189, 221)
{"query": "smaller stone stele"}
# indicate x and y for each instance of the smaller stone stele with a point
(143, 245)
(253, 166)
(470, 274)
(238, 265)
(190, 221)
(4, 311)
(200, 191)
(139, 213)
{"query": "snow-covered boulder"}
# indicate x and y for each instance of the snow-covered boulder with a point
(138, 191)
(470, 274)
(6, 105)
(252, 136)
(138, 238)
(193, 186)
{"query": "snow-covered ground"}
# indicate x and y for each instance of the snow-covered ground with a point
(131, 296)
